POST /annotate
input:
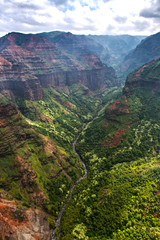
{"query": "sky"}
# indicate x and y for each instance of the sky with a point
(100, 17)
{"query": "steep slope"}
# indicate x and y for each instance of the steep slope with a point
(81, 48)
(60, 114)
(35, 177)
(30, 63)
(146, 51)
(120, 198)
(146, 76)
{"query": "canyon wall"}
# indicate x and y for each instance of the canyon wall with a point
(30, 62)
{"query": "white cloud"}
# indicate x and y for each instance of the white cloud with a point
(79, 16)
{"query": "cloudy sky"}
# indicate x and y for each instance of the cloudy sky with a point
(135, 17)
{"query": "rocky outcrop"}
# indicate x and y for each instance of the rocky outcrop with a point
(30, 62)
(22, 223)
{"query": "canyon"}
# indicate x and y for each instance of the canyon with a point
(88, 187)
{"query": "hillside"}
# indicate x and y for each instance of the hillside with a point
(33, 169)
(38, 166)
(120, 198)
(146, 51)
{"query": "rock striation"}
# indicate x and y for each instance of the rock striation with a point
(77, 45)
(29, 63)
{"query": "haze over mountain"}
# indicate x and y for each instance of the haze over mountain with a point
(118, 46)
(110, 49)
(146, 51)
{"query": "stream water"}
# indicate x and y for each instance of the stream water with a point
(58, 221)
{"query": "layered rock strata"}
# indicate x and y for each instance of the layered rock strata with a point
(30, 62)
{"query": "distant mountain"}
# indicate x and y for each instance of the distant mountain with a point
(76, 45)
(146, 51)
(110, 49)
(30, 62)
(118, 46)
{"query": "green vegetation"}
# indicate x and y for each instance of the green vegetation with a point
(60, 114)
(120, 198)
(18, 214)
(38, 166)
(120, 145)
(122, 203)
(34, 169)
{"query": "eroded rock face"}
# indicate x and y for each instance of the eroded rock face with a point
(22, 224)
(30, 62)
(17, 79)
(77, 45)
(146, 77)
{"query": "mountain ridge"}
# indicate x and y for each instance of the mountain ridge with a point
(36, 61)
(145, 52)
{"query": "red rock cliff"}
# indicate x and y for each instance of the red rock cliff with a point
(30, 62)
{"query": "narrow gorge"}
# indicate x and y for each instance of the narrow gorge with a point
(58, 221)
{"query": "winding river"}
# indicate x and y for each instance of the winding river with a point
(58, 221)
